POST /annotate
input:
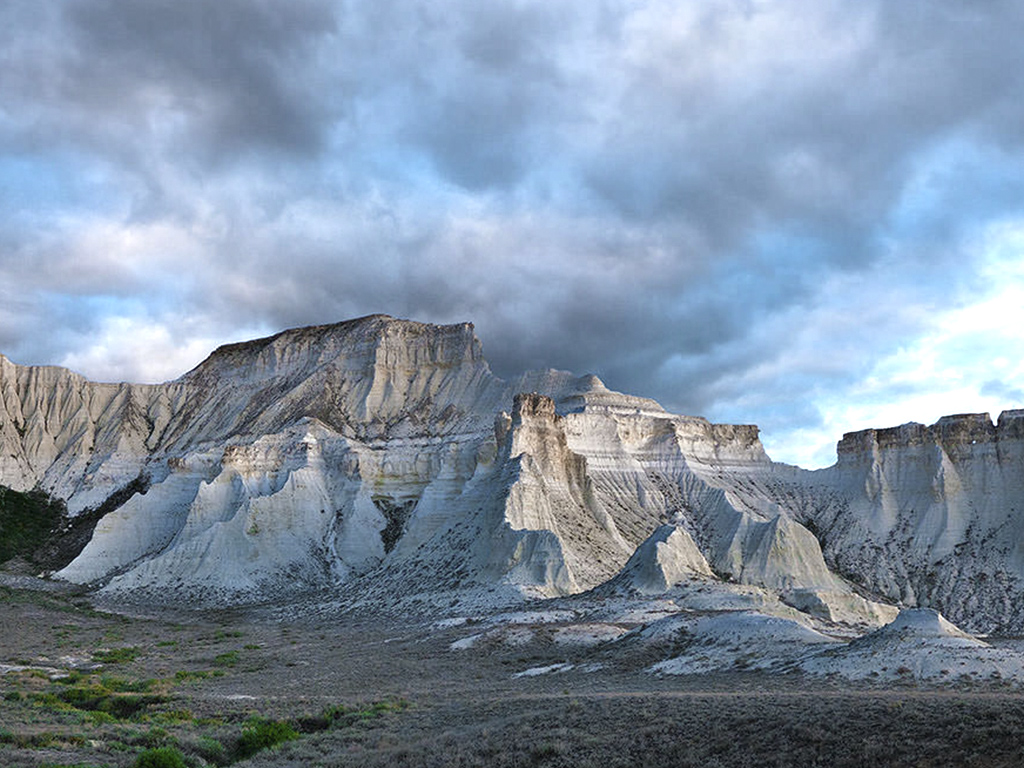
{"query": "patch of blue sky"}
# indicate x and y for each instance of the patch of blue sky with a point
(84, 310)
(957, 185)
(40, 185)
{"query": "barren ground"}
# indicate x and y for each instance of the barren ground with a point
(192, 683)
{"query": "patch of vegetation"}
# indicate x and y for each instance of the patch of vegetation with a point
(26, 521)
(228, 659)
(183, 674)
(29, 740)
(260, 733)
(160, 757)
(66, 603)
(97, 698)
(397, 515)
(175, 716)
(122, 685)
(212, 751)
(116, 655)
(340, 716)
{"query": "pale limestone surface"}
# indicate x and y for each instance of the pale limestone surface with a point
(921, 644)
(383, 456)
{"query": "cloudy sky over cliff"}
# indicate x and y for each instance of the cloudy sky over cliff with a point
(809, 216)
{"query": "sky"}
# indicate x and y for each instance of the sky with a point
(803, 215)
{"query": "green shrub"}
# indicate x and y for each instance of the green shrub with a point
(340, 716)
(212, 751)
(116, 655)
(26, 521)
(160, 757)
(102, 718)
(228, 659)
(96, 698)
(121, 685)
(260, 734)
(183, 674)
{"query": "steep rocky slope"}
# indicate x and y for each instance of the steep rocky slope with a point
(932, 516)
(383, 458)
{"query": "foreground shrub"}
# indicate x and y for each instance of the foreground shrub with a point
(340, 716)
(228, 659)
(96, 698)
(161, 757)
(260, 734)
(116, 655)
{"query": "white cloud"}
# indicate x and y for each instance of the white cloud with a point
(143, 351)
(773, 212)
(964, 358)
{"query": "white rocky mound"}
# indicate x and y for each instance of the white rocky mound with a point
(382, 460)
(919, 644)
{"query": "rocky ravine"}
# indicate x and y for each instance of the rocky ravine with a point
(383, 456)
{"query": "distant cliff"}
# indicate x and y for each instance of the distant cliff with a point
(934, 516)
(384, 459)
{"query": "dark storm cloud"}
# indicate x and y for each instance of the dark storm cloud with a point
(236, 73)
(732, 206)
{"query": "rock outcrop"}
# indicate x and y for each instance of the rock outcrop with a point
(932, 516)
(383, 457)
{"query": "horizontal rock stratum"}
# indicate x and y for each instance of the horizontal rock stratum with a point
(383, 458)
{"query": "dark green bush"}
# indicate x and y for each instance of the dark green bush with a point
(96, 698)
(161, 757)
(116, 655)
(260, 734)
(212, 751)
(228, 659)
(26, 520)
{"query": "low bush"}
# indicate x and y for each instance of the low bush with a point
(212, 751)
(228, 659)
(259, 734)
(102, 704)
(121, 685)
(116, 655)
(340, 716)
(160, 757)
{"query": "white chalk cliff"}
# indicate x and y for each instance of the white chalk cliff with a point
(383, 456)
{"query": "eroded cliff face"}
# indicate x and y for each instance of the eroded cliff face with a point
(931, 516)
(383, 457)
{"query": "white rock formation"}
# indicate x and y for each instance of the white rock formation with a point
(740, 640)
(319, 455)
(668, 558)
(383, 455)
(918, 644)
(932, 516)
